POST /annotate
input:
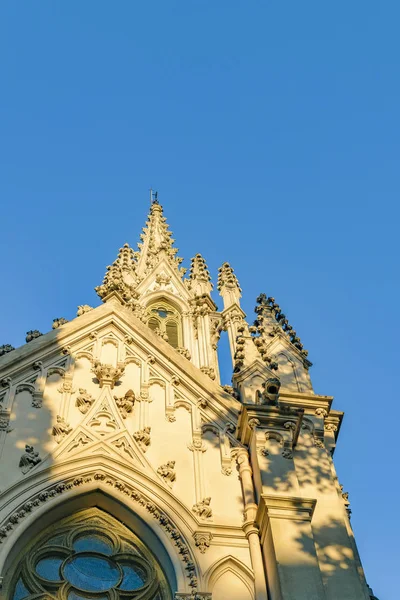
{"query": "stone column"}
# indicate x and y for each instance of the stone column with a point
(249, 527)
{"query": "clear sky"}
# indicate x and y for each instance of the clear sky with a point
(271, 131)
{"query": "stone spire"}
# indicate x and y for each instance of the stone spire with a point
(156, 244)
(120, 277)
(199, 280)
(271, 321)
(228, 286)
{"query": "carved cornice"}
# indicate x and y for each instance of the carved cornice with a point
(283, 507)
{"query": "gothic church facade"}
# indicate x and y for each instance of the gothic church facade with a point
(128, 472)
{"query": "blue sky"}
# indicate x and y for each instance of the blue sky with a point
(271, 131)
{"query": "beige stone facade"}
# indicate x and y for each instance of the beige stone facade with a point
(114, 426)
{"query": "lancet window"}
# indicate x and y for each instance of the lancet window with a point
(167, 321)
(89, 556)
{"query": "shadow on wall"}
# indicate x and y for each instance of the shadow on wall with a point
(328, 540)
(42, 409)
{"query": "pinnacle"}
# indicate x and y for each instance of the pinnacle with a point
(227, 277)
(156, 243)
(114, 280)
(198, 268)
(270, 320)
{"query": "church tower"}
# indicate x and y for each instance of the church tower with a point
(128, 472)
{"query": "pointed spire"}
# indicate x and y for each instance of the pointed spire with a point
(156, 243)
(271, 321)
(120, 277)
(199, 277)
(228, 286)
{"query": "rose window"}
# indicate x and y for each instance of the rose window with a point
(90, 558)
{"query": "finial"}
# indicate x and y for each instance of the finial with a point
(153, 197)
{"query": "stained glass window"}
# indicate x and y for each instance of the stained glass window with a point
(92, 556)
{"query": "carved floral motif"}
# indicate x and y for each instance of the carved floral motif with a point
(58, 322)
(167, 471)
(32, 334)
(203, 508)
(143, 438)
(82, 309)
(6, 348)
(107, 374)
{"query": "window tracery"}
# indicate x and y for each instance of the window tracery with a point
(165, 320)
(89, 556)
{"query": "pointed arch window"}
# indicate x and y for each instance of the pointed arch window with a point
(166, 320)
(89, 556)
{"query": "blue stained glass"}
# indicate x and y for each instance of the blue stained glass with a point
(49, 568)
(93, 543)
(134, 578)
(92, 573)
(20, 590)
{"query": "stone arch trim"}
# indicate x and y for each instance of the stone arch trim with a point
(47, 495)
(233, 565)
(165, 296)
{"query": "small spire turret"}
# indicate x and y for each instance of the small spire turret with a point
(199, 277)
(120, 277)
(228, 286)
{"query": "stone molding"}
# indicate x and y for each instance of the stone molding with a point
(284, 507)
(119, 487)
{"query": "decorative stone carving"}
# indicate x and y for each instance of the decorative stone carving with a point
(254, 423)
(29, 459)
(330, 427)
(58, 322)
(319, 443)
(143, 438)
(287, 453)
(124, 489)
(6, 348)
(37, 400)
(226, 471)
(208, 371)
(232, 391)
(5, 382)
(203, 508)
(82, 309)
(263, 451)
(167, 471)
(202, 402)
(197, 445)
(66, 387)
(125, 403)
(184, 352)
(4, 423)
(202, 540)
(84, 401)
(270, 394)
(321, 412)
(61, 429)
(32, 334)
(107, 374)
